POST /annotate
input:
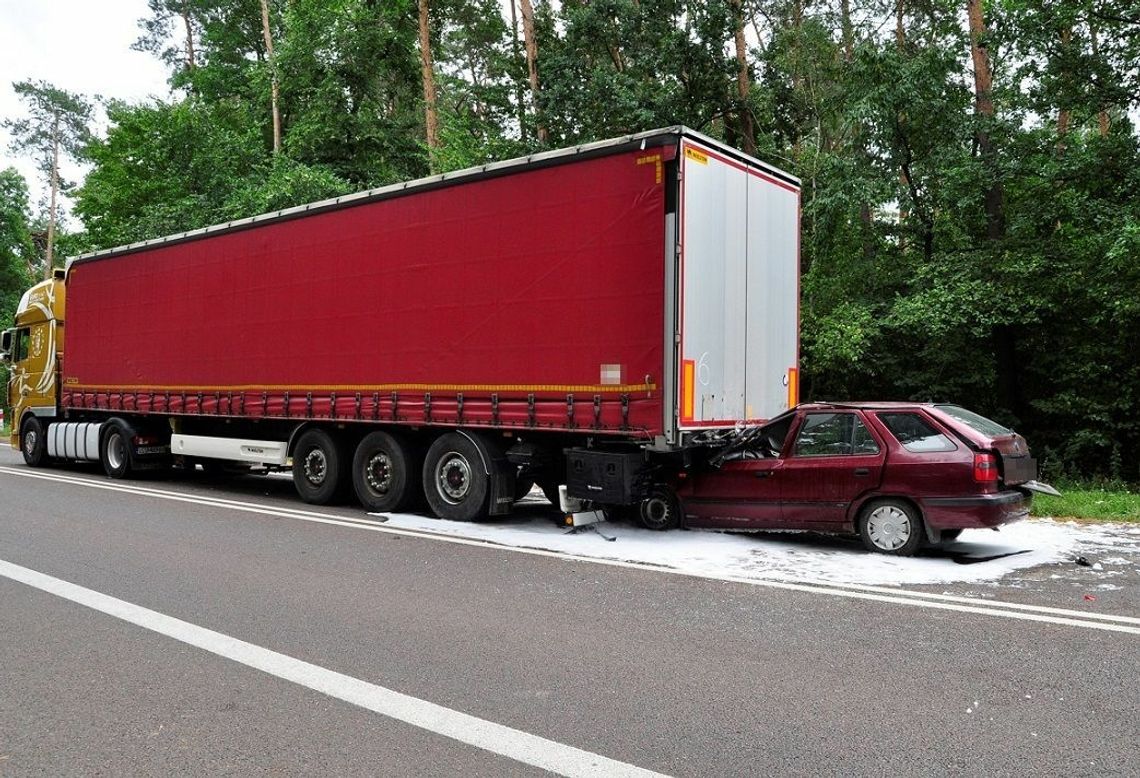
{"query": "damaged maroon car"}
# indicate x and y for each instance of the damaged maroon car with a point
(897, 474)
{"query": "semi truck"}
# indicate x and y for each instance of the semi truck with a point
(595, 317)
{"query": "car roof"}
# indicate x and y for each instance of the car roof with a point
(867, 405)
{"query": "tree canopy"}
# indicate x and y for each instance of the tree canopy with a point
(971, 201)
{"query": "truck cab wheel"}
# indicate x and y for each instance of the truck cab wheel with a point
(33, 442)
(455, 481)
(319, 468)
(115, 451)
(383, 472)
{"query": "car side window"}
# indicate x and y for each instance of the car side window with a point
(915, 433)
(833, 434)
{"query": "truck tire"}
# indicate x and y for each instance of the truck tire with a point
(456, 483)
(319, 467)
(383, 472)
(661, 510)
(115, 451)
(33, 442)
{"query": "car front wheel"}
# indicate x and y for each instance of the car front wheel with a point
(891, 527)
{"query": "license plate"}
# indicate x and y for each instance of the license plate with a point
(1019, 469)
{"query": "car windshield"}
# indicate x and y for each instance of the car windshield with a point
(976, 422)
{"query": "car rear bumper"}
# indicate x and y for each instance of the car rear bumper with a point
(983, 510)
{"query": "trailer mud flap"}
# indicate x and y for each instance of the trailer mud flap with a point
(500, 474)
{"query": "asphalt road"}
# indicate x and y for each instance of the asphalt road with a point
(609, 667)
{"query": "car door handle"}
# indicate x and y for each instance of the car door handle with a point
(862, 471)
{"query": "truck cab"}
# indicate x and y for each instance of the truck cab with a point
(32, 349)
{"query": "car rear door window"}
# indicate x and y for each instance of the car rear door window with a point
(915, 433)
(975, 421)
(834, 434)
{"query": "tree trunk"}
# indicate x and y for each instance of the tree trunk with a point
(866, 217)
(1102, 114)
(743, 84)
(520, 97)
(1003, 335)
(191, 63)
(904, 179)
(984, 108)
(49, 253)
(431, 118)
(848, 30)
(532, 61)
(274, 90)
(1064, 114)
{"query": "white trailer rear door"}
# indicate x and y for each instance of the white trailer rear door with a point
(739, 296)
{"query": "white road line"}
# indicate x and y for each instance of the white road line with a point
(1009, 610)
(512, 743)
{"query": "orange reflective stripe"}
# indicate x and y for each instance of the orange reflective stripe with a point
(688, 383)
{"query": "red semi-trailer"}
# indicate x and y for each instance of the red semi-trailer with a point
(585, 316)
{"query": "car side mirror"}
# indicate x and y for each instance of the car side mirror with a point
(6, 346)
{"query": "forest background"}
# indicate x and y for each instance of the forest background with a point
(971, 170)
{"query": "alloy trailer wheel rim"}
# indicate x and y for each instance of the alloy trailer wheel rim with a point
(316, 467)
(378, 473)
(453, 477)
(116, 451)
(888, 527)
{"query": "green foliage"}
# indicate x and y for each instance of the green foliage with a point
(350, 89)
(57, 121)
(910, 288)
(17, 252)
(166, 168)
(283, 184)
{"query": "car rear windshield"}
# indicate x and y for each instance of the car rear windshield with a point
(987, 427)
(916, 433)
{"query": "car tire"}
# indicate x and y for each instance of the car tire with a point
(381, 468)
(892, 527)
(455, 483)
(33, 442)
(115, 451)
(319, 467)
(660, 511)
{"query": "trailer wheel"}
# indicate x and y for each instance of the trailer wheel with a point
(456, 484)
(33, 442)
(115, 451)
(318, 467)
(380, 472)
(661, 510)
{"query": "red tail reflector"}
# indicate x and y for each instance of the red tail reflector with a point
(985, 468)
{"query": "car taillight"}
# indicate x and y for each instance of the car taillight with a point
(985, 468)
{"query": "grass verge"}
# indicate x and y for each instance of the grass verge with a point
(1089, 502)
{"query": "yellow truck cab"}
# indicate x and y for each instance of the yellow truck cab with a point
(32, 350)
